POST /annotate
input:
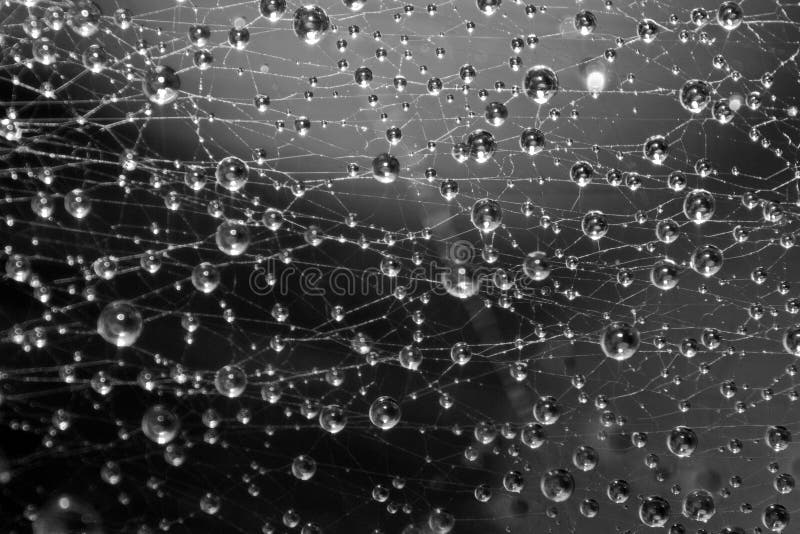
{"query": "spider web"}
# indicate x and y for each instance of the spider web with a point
(373, 281)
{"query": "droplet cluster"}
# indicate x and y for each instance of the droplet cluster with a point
(421, 267)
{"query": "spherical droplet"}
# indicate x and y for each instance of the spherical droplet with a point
(203, 59)
(304, 467)
(84, 17)
(488, 7)
(585, 22)
(532, 435)
(460, 353)
(682, 442)
(18, 267)
(730, 15)
(272, 219)
(273, 10)
(384, 413)
(363, 76)
(161, 85)
(332, 418)
(120, 323)
(230, 381)
(513, 482)
(589, 508)
(707, 260)
(233, 237)
(95, 58)
(618, 491)
(698, 505)
(239, 37)
(77, 203)
(699, 206)
(486, 215)
(531, 141)
(481, 145)
(695, 95)
(557, 485)
(722, 111)
(654, 511)
(791, 340)
(205, 277)
(199, 34)
(467, 73)
(43, 205)
(361, 343)
(620, 341)
(160, 424)
(656, 149)
(665, 274)
(232, 173)
(385, 168)
(546, 410)
(540, 84)
(536, 266)
(310, 23)
(496, 113)
(647, 30)
(581, 173)
(775, 517)
(585, 458)
(667, 231)
(784, 483)
(441, 521)
(410, 357)
(448, 189)
(778, 438)
(594, 225)
(210, 503)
